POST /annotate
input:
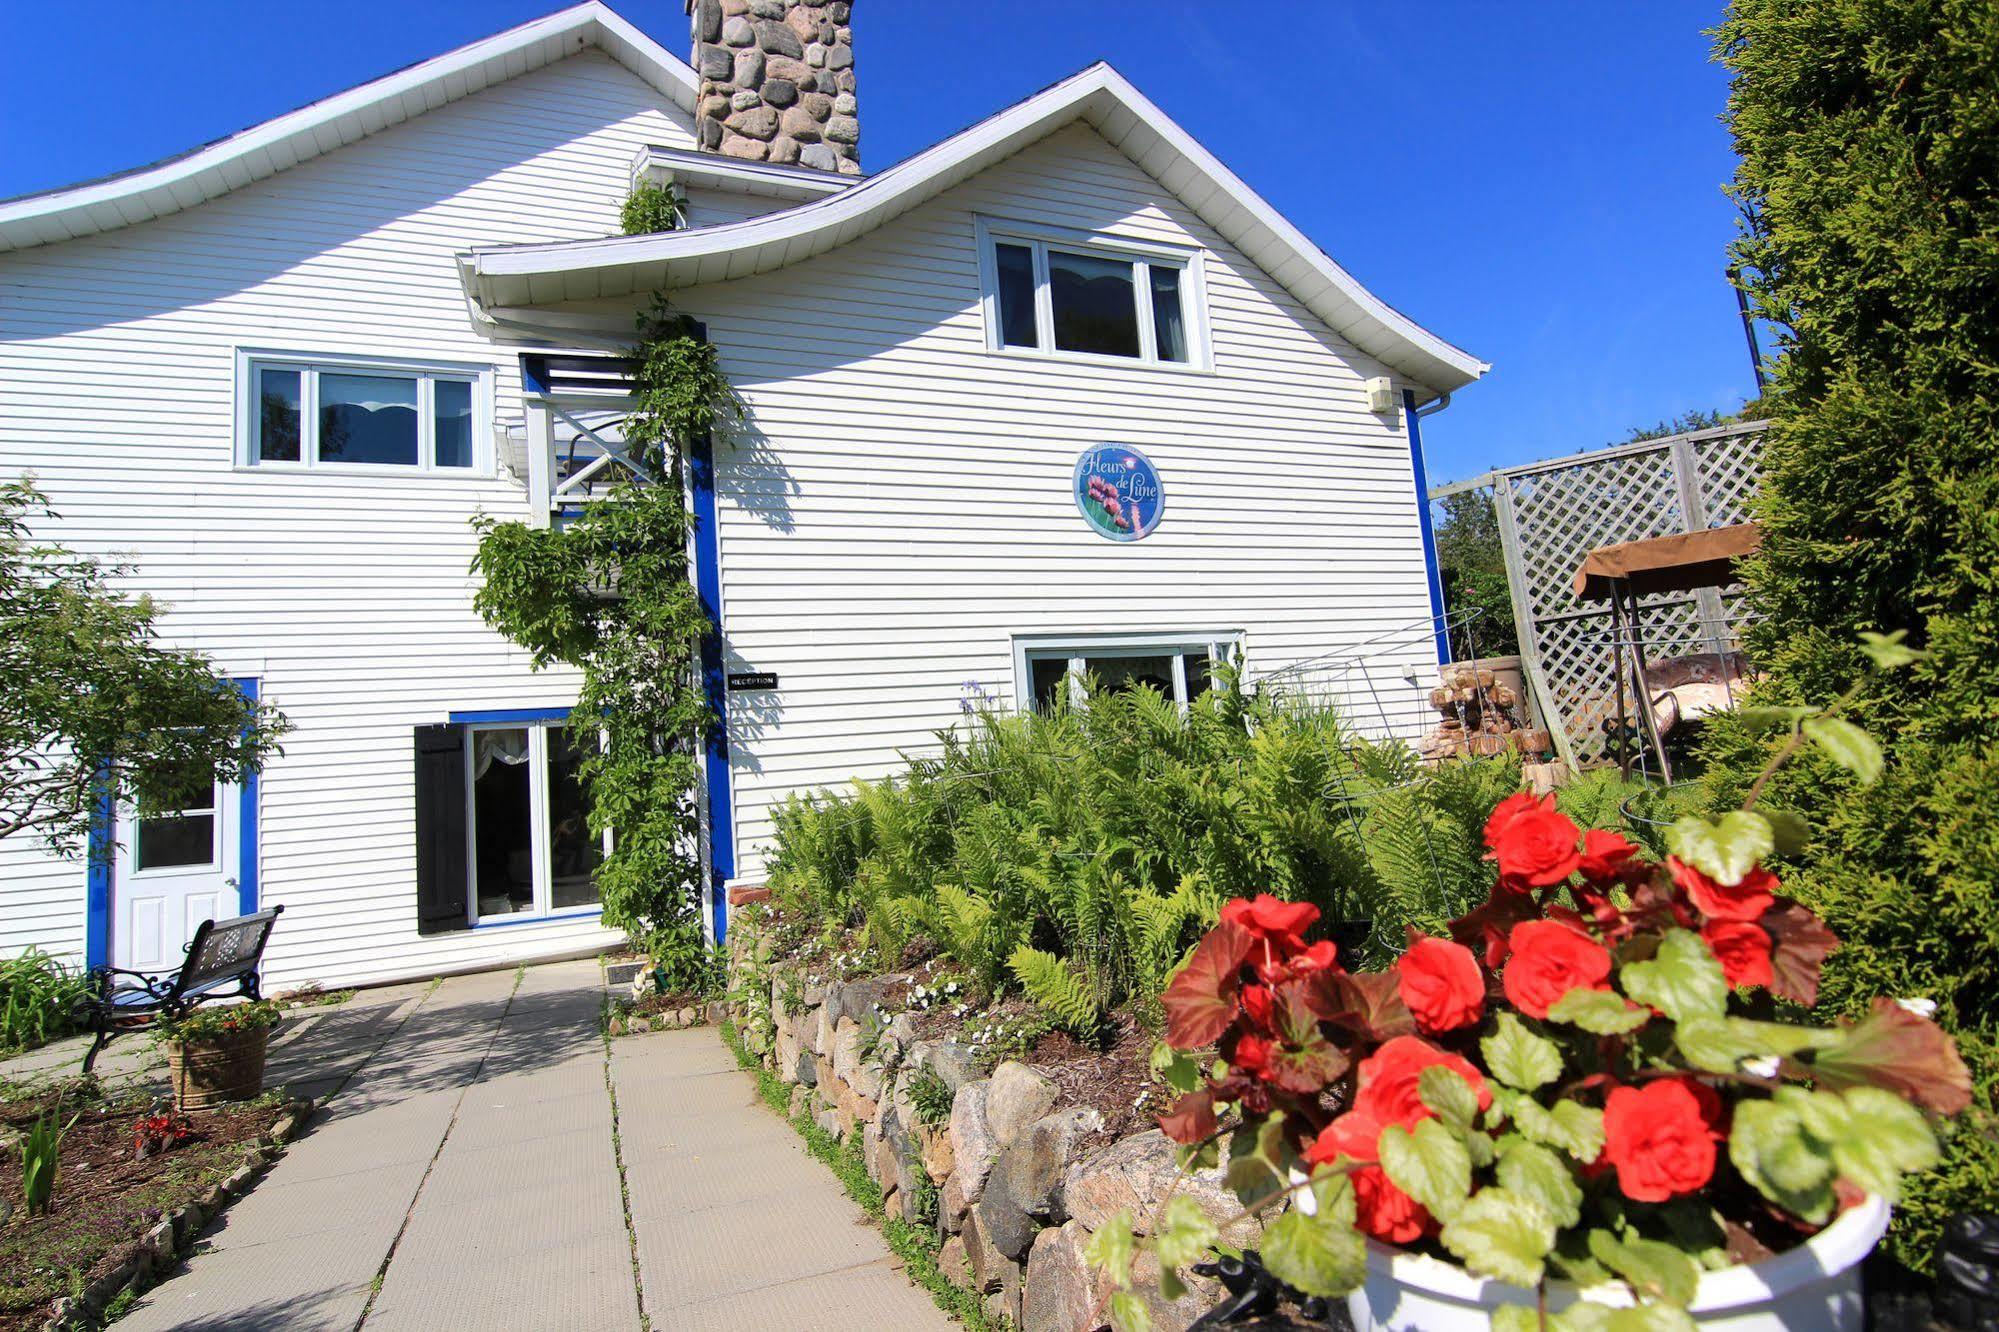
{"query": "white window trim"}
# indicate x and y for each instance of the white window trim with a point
(250, 359)
(1220, 645)
(215, 833)
(1038, 237)
(541, 855)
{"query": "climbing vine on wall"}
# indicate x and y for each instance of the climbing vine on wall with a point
(611, 593)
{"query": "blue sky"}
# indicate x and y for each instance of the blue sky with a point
(1539, 183)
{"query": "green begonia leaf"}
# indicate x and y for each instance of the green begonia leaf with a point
(1112, 1248)
(1446, 1092)
(1725, 850)
(1535, 1172)
(1888, 651)
(1719, 1045)
(1847, 745)
(1129, 1314)
(1654, 1270)
(1599, 1011)
(1772, 1149)
(1315, 1254)
(1498, 1233)
(1519, 1058)
(1885, 1138)
(1789, 830)
(1573, 1127)
(1683, 979)
(1185, 1236)
(1431, 1165)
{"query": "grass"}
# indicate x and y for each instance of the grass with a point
(915, 1246)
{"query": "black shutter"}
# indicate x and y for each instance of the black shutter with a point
(441, 868)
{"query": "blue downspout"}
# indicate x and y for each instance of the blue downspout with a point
(97, 893)
(708, 588)
(1430, 570)
(246, 823)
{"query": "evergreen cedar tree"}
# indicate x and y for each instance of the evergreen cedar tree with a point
(1868, 134)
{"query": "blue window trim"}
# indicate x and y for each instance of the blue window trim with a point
(708, 588)
(1433, 576)
(490, 715)
(593, 913)
(103, 849)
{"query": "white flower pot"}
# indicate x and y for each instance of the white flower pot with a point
(1814, 1286)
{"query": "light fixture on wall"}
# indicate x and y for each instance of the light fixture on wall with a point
(1381, 394)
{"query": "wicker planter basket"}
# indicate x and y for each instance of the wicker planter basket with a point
(225, 1068)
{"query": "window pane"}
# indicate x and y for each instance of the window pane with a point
(1049, 679)
(1096, 305)
(1015, 265)
(502, 826)
(575, 853)
(277, 415)
(1169, 329)
(1117, 675)
(453, 406)
(1200, 674)
(169, 840)
(367, 419)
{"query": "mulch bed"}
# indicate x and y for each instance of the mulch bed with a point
(105, 1197)
(663, 1003)
(1115, 1079)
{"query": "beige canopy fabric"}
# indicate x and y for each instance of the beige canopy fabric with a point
(1679, 563)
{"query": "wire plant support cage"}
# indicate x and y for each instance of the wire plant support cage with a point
(1552, 514)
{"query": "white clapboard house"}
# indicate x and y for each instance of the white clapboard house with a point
(1060, 393)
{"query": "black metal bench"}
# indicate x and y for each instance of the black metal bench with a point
(222, 952)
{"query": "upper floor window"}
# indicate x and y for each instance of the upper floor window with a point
(340, 413)
(1078, 295)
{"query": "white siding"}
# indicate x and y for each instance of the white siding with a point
(906, 509)
(348, 596)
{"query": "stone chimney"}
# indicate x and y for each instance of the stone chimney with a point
(777, 81)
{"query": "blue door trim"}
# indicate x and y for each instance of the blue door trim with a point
(246, 822)
(1432, 575)
(708, 587)
(103, 850)
(103, 846)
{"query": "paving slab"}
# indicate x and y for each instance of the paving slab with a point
(464, 1174)
(736, 1226)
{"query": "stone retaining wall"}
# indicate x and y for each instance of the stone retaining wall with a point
(1017, 1191)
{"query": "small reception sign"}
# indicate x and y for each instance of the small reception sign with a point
(1118, 491)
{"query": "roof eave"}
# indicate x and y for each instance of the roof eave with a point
(264, 150)
(1113, 106)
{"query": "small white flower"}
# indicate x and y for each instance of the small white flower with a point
(1761, 1066)
(1922, 1008)
(1303, 1199)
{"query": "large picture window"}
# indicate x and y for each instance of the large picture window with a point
(361, 416)
(530, 852)
(1081, 296)
(1179, 666)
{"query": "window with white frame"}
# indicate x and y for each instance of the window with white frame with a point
(530, 851)
(1180, 666)
(341, 414)
(1084, 296)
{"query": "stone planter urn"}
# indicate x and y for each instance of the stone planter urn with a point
(1816, 1285)
(210, 1070)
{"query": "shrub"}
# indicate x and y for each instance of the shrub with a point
(1074, 855)
(38, 998)
(1869, 178)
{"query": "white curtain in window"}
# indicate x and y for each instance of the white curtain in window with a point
(509, 747)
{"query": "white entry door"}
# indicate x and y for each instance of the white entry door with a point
(174, 870)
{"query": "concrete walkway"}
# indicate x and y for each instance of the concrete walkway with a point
(465, 1172)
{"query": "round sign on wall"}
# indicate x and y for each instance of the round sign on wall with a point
(1118, 491)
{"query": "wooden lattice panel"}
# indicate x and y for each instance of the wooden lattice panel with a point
(1562, 511)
